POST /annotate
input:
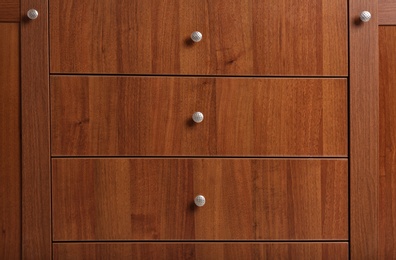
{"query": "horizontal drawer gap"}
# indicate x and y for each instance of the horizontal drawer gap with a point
(204, 157)
(198, 76)
(201, 241)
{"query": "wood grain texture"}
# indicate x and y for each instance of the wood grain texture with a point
(364, 131)
(387, 212)
(140, 199)
(249, 37)
(10, 143)
(36, 178)
(9, 11)
(200, 251)
(386, 13)
(152, 116)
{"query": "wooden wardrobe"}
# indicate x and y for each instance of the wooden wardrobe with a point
(167, 129)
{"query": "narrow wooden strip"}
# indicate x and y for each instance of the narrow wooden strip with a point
(218, 251)
(36, 181)
(364, 106)
(387, 212)
(10, 143)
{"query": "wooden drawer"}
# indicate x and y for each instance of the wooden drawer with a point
(150, 199)
(244, 37)
(242, 116)
(200, 251)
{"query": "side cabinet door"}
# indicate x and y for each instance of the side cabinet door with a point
(10, 132)
(364, 129)
(36, 181)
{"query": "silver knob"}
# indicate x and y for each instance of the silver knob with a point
(197, 117)
(199, 200)
(196, 36)
(365, 16)
(32, 14)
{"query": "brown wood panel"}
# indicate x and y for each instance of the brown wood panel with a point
(9, 11)
(36, 178)
(10, 143)
(387, 212)
(387, 13)
(124, 199)
(198, 251)
(239, 37)
(242, 116)
(364, 131)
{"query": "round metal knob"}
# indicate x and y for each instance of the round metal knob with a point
(199, 200)
(32, 14)
(196, 36)
(365, 16)
(197, 117)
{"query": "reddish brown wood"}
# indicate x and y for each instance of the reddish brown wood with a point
(387, 212)
(9, 11)
(123, 199)
(249, 37)
(152, 116)
(10, 143)
(387, 12)
(364, 131)
(36, 179)
(198, 251)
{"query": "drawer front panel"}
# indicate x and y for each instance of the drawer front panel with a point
(245, 37)
(200, 251)
(242, 116)
(149, 199)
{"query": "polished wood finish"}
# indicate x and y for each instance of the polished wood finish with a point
(249, 37)
(364, 131)
(243, 116)
(36, 179)
(10, 143)
(200, 251)
(387, 212)
(387, 12)
(138, 199)
(9, 11)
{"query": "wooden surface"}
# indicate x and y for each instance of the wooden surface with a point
(249, 37)
(242, 116)
(364, 131)
(140, 199)
(200, 251)
(9, 11)
(36, 181)
(387, 212)
(387, 12)
(10, 143)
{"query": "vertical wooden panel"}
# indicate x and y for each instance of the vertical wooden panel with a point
(10, 144)
(387, 212)
(363, 131)
(36, 182)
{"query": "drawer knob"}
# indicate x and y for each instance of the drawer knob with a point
(196, 36)
(199, 200)
(32, 14)
(197, 117)
(365, 16)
